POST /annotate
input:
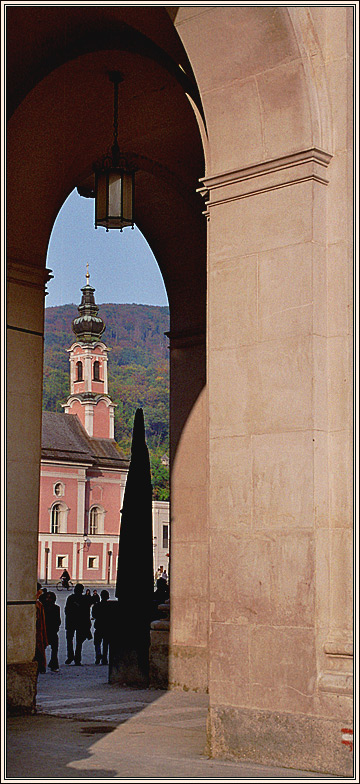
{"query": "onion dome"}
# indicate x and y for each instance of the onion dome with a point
(88, 326)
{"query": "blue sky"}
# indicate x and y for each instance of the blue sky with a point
(122, 266)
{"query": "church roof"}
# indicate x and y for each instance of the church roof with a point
(64, 439)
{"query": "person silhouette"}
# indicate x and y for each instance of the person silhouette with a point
(77, 619)
(41, 636)
(101, 626)
(95, 596)
(53, 623)
(65, 579)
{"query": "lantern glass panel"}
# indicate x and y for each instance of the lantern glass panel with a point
(100, 200)
(127, 197)
(114, 195)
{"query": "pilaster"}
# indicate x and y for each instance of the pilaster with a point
(269, 425)
(25, 330)
(81, 501)
(188, 654)
(89, 418)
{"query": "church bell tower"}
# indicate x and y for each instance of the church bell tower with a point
(88, 357)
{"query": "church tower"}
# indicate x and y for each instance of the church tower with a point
(89, 397)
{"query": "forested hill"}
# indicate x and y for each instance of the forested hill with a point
(138, 369)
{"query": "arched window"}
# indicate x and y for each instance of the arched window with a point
(96, 371)
(79, 371)
(58, 518)
(55, 519)
(94, 521)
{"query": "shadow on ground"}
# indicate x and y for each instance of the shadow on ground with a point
(46, 735)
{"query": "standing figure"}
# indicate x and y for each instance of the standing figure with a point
(41, 636)
(53, 623)
(90, 601)
(95, 596)
(77, 619)
(88, 597)
(101, 625)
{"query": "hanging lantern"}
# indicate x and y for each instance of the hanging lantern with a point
(114, 181)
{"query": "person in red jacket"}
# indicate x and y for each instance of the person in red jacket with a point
(53, 623)
(41, 636)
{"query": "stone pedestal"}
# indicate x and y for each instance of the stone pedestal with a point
(128, 666)
(159, 649)
(21, 683)
(128, 654)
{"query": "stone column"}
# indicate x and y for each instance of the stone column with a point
(269, 408)
(188, 656)
(25, 330)
(336, 652)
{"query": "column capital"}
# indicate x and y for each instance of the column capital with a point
(23, 273)
(185, 338)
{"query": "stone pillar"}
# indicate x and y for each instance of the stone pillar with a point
(270, 546)
(25, 329)
(188, 655)
(336, 644)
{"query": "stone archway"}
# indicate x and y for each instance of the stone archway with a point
(60, 122)
(262, 539)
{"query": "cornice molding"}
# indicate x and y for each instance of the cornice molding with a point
(339, 648)
(336, 683)
(25, 274)
(185, 338)
(301, 166)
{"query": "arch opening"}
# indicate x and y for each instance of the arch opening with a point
(169, 212)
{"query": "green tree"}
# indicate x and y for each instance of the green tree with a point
(55, 389)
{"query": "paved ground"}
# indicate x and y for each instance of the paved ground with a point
(86, 728)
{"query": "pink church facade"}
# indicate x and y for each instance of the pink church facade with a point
(83, 473)
(79, 522)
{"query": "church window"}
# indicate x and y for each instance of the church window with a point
(58, 489)
(62, 561)
(96, 371)
(79, 371)
(94, 521)
(58, 518)
(55, 519)
(93, 562)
